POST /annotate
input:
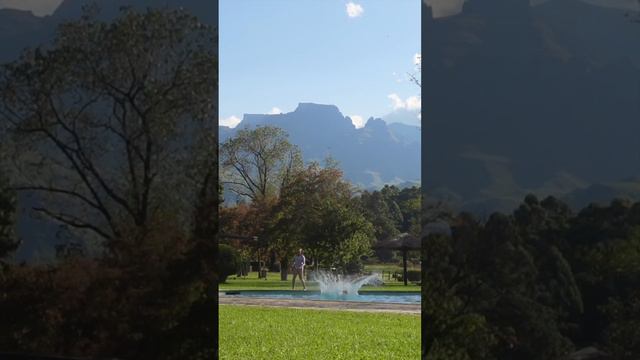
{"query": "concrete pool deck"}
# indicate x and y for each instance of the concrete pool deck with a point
(413, 309)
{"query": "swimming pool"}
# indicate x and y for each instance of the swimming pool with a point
(365, 296)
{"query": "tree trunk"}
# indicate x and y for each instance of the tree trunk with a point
(404, 266)
(284, 268)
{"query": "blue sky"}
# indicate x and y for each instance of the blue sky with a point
(353, 54)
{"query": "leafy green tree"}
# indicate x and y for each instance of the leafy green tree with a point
(492, 283)
(622, 334)
(383, 212)
(409, 202)
(317, 212)
(537, 284)
(455, 328)
(602, 255)
(339, 236)
(392, 211)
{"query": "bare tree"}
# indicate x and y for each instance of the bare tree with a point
(414, 76)
(259, 163)
(106, 123)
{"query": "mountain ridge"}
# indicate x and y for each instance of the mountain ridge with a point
(517, 97)
(371, 156)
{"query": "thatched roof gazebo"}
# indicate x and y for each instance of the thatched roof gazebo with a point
(405, 242)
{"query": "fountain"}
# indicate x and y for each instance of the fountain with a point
(336, 286)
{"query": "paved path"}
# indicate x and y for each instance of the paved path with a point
(321, 304)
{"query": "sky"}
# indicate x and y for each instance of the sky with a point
(352, 54)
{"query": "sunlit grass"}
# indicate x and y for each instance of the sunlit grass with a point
(280, 333)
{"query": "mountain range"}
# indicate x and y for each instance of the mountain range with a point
(516, 99)
(520, 99)
(371, 156)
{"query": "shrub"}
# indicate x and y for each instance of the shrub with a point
(228, 261)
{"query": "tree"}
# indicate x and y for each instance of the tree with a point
(259, 163)
(105, 122)
(113, 127)
(392, 211)
(503, 286)
(622, 333)
(409, 201)
(382, 211)
(414, 77)
(455, 328)
(8, 241)
(316, 211)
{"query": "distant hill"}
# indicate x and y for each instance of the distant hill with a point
(371, 156)
(522, 99)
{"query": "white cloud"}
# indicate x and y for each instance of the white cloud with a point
(354, 10)
(417, 59)
(231, 121)
(411, 103)
(357, 120)
(275, 111)
(397, 101)
(404, 116)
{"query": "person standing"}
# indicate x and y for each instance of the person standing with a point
(298, 269)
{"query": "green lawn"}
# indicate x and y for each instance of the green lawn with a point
(280, 333)
(273, 282)
(379, 268)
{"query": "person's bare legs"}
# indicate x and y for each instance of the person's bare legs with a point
(301, 272)
(293, 284)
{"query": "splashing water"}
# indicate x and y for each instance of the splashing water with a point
(338, 286)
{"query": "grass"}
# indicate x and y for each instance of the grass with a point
(273, 282)
(379, 268)
(280, 333)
